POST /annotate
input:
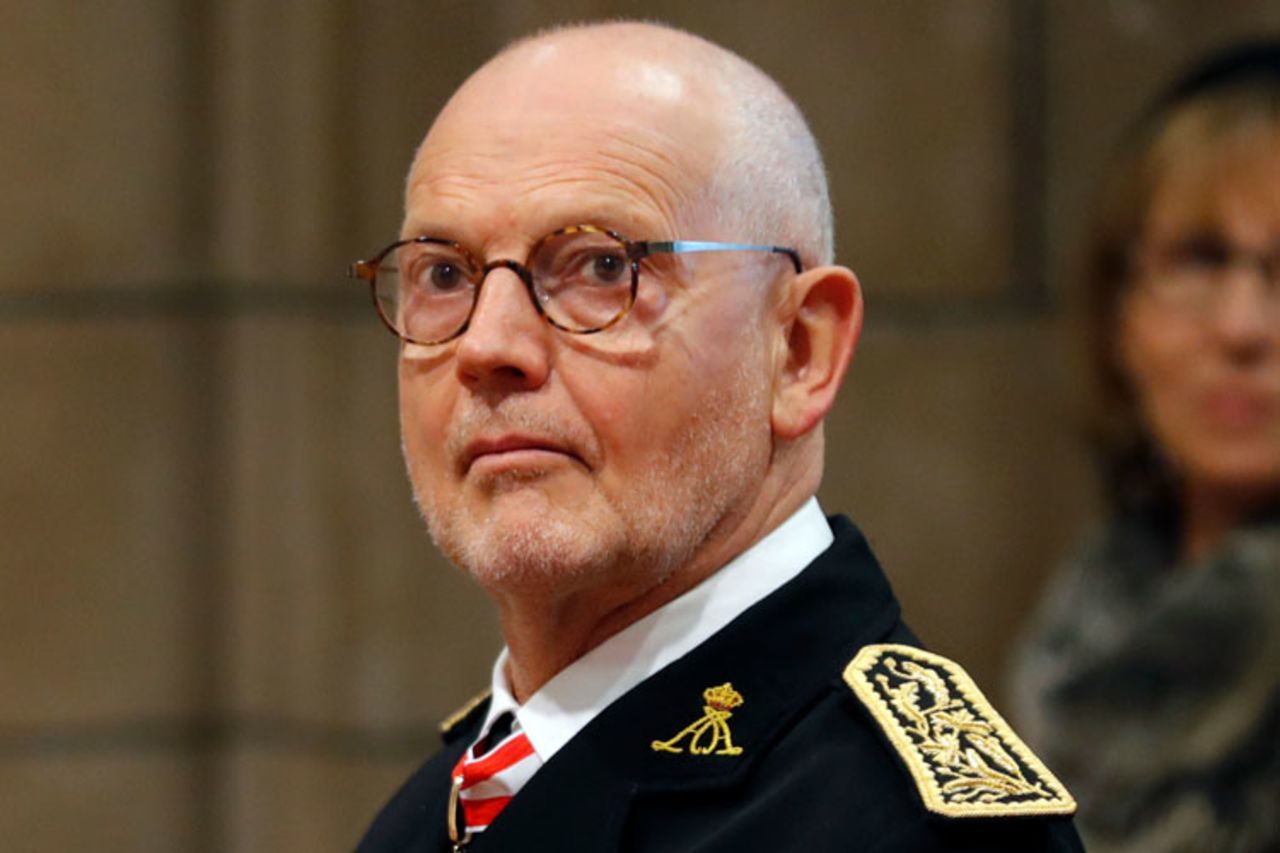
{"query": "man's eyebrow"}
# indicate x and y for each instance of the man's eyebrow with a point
(625, 225)
(411, 228)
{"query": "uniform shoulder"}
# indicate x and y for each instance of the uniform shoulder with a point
(453, 723)
(964, 758)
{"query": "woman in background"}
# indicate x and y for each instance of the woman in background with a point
(1150, 677)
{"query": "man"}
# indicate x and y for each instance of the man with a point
(621, 332)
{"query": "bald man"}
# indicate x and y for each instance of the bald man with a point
(621, 328)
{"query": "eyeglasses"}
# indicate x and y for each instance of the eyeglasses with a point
(1189, 276)
(582, 279)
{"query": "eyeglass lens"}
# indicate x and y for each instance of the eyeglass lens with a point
(582, 279)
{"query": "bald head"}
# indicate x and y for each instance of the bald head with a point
(751, 169)
(607, 473)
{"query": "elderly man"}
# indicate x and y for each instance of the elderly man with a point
(621, 329)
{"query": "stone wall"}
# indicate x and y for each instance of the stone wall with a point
(222, 627)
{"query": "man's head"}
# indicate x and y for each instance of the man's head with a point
(604, 466)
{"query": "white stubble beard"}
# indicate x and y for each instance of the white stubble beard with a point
(642, 538)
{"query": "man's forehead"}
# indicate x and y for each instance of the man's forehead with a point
(636, 53)
(548, 119)
(557, 74)
(556, 68)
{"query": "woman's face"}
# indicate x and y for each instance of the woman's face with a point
(1199, 329)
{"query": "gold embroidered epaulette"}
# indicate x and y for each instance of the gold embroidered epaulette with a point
(447, 724)
(963, 756)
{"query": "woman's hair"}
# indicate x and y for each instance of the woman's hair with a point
(1231, 96)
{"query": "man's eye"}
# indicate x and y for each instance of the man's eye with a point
(444, 276)
(608, 268)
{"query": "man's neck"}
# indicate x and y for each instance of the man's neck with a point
(546, 632)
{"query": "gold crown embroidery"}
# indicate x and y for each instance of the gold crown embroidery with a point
(710, 733)
(964, 758)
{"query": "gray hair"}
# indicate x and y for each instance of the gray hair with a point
(768, 182)
(769, 175)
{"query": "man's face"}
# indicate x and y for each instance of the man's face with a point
(542, 459)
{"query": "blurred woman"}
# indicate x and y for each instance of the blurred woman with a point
(1150, 677)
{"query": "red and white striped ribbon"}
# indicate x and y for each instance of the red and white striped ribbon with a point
(486, 784)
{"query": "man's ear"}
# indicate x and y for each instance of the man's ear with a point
(822, 319)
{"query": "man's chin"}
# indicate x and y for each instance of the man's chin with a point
(520, 491)
(512, 548)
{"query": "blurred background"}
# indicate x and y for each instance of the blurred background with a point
(222, 626)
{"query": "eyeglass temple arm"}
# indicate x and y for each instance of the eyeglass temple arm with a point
(687, 246)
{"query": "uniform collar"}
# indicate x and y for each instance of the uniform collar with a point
(781, 655)
(577, 694)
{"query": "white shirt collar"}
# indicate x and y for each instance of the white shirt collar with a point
(570, 700)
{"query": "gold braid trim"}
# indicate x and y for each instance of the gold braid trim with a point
(965, 759)
(447, 724)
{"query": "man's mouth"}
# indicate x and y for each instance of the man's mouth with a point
(514, 452)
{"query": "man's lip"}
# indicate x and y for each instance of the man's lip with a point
(480, 448)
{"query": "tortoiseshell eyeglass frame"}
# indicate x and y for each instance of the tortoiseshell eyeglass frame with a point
(635, 251)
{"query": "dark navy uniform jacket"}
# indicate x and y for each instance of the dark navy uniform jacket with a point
(816, 770)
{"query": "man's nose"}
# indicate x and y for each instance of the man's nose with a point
(507, 341)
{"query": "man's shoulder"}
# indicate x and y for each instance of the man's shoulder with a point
(838, 719)
(905, 753)
(467, 714)
(415, 815)
(901, 753)
(963, 758)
